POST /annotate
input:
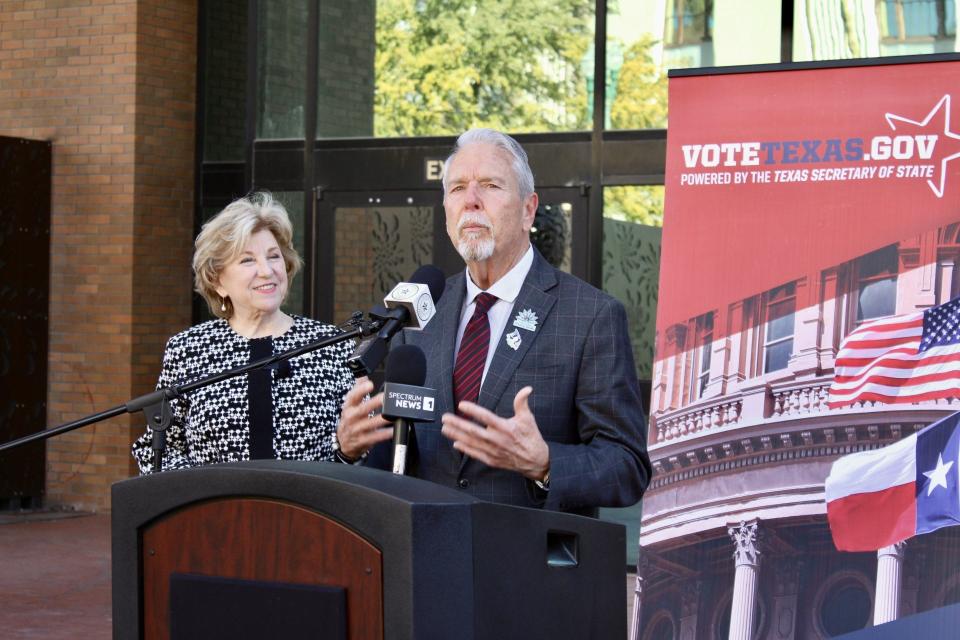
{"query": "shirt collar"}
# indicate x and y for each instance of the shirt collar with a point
(508, 287)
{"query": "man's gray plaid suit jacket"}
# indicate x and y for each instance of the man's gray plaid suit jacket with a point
(586, 399)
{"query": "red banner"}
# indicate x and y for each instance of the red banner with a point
(774, 175)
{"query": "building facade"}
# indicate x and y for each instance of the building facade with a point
(734, 534)
(160, 113)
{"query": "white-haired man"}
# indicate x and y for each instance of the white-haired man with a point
(534, 371)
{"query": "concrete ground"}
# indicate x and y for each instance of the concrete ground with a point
(55, 576)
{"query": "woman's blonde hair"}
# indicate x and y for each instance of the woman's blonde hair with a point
(223, 237)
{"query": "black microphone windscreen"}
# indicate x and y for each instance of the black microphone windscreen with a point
(433, 278)
(406, 364)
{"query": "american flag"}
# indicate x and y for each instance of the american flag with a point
(901, 359)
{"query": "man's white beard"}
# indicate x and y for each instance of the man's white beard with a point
(475, 248)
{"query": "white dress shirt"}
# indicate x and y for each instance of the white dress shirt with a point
(506, 289)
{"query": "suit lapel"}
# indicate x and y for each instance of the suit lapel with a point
(535, 296)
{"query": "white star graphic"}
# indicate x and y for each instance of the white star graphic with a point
(938, 476)
(943, 104)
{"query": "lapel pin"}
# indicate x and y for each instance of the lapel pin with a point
(514, 339)
(526, 319)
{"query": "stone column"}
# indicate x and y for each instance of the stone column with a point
(747, 556)
(886, 601)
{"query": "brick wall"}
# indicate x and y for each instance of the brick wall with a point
(111, 84)
(163, 184)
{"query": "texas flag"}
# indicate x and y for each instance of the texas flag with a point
(876, 498)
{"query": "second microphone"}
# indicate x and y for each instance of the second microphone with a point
(406, 401)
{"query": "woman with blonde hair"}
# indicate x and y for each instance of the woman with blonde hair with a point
(243, 264)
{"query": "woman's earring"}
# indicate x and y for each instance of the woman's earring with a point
(223, 304)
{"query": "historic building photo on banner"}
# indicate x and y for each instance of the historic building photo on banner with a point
(811, 220)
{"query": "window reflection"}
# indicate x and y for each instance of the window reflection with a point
(704, 341)
(443, 67)
(281, 42)
(551, 235)
(688, 21)
(638, 204)
(645, 39)
(867, 29)
(224, 79)
(877, 284)
(778, 341)
(903, 19)
(427, 67)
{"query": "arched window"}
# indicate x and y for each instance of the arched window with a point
(661, 627)
(843, 604)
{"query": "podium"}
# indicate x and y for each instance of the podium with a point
(287, 549)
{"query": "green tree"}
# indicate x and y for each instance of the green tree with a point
(443, 66)
(642, 204)
(640, 103)
(641, 95)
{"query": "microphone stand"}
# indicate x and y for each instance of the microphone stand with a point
(156, 405)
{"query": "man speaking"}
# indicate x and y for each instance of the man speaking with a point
(533, 367)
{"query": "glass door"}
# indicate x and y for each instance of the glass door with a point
(375, 240)
(372, 240)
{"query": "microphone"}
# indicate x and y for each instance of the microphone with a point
(405, 399)
(410, 304)
(418, 297)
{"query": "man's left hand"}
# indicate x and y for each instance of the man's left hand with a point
(506, 443)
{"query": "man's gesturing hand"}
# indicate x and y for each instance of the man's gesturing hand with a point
(506, 443)
(359, 429)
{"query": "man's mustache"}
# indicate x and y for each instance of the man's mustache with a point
(474, 219)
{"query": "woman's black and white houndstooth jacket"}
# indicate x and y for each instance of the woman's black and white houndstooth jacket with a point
(212, 424)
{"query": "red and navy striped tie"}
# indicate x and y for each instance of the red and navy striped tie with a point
(473, 352)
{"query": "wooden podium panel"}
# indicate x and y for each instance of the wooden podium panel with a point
(262, 540)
